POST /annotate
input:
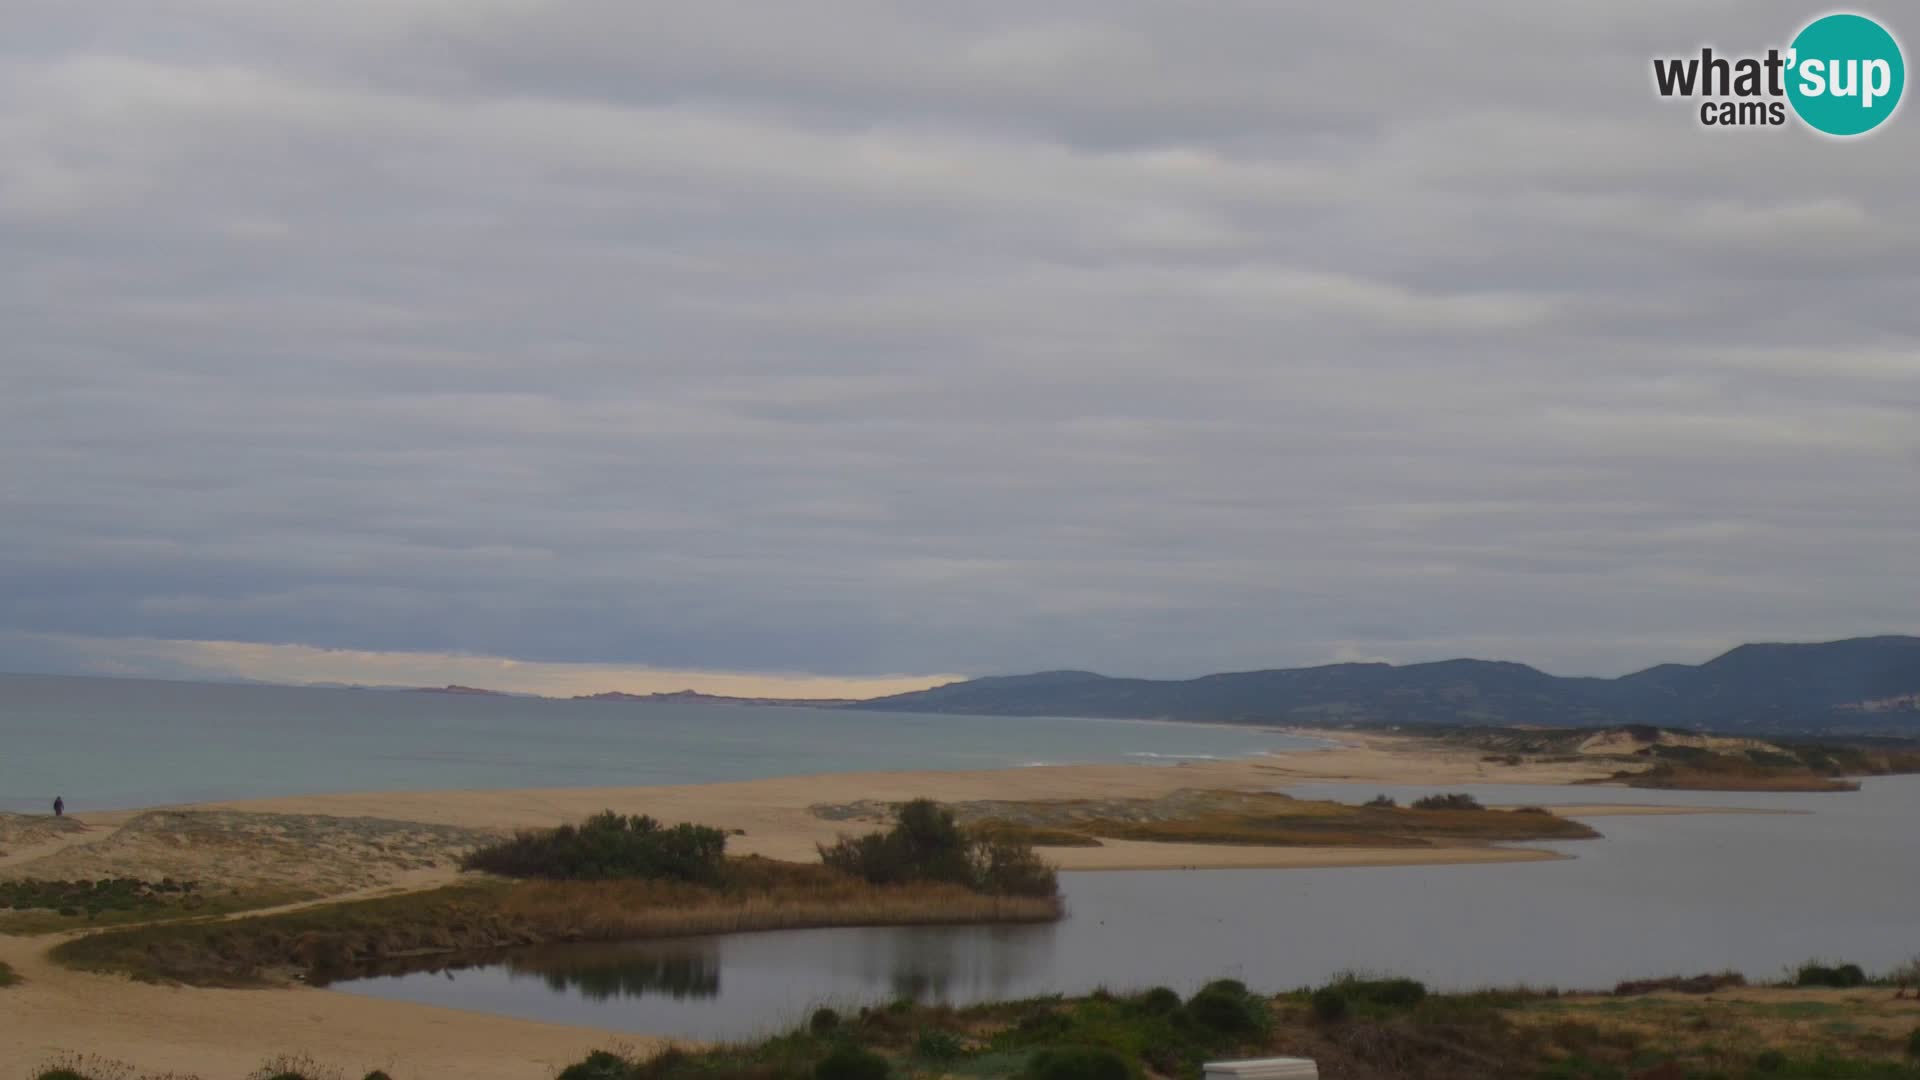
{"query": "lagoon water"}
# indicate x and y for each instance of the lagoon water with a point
(110, 744)
(1837, 876)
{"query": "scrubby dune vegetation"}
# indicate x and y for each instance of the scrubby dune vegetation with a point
(614, 878)
(1355, 1027)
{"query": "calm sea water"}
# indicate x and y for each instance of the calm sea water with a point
(120, 743)
(1837, 879)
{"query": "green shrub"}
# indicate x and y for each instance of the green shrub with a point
(1381, 802)
(599, 1065)
(1226, 986)
(1913, 1044)
(1768, 1061)
(1077, 1063)
(1159, 1001)
(1394, 993)
(377, 1074)
(1455, 801)
(926, 844)
(823, 1021)
(1329, 1004)
(608, 846)
(1842, 975)
(847, 1062)
(936, 1045)
(1220, 1009)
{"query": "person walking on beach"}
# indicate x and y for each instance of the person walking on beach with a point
(59, 806)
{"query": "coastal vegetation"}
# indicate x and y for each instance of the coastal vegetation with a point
(1362, 1027)
(1658, 758)
(608, 847)
(1203, 816)
(927, 845)
(36, 906)
(614, 878)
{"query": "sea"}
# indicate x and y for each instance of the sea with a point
(112, 744)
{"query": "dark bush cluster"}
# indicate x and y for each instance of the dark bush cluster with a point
(1455, 801)
(1381, 802)
(849, 1062)
(1840, 975)
(609, 846)
(1227, 1007)
(1352, 993)
(925, 844)
(1077, 1063)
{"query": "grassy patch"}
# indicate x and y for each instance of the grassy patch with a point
(1259, 818)
(48, 907)
(1727, 773)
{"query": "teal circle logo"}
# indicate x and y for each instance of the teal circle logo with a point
(1846, 74)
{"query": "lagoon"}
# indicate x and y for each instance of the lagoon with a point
(1835, 877)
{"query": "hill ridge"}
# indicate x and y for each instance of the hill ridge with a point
(1843, 686)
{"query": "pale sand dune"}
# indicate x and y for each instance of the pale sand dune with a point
(220, 1033)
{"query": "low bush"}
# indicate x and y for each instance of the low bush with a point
(1455, 801)
(1387, 993)
(927, 845)
(1841, 975)
(936, 1045)
(1329, 1005)
(7, 976)
(1913, 1044)
(1077, 1063)
(609, 846)
(849, 1062)
(292, 1067)
(823, 1021)
(1159, 1001)
(1222, 1008)
(599, 1065)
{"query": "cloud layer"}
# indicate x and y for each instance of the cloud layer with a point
(857, 338)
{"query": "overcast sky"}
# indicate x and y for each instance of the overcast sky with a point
(899, 339)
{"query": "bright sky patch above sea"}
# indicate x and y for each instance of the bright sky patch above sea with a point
(301, 664)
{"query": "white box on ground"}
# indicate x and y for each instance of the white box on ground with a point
(1264, 1069)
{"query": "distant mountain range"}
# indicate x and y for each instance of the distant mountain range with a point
(1858, 686)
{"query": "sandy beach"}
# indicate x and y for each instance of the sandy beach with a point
(227, 1032)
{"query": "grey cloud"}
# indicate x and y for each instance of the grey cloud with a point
(865, 337)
